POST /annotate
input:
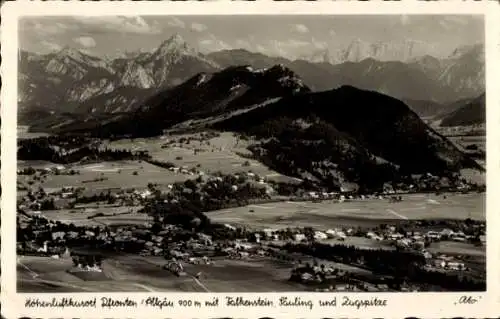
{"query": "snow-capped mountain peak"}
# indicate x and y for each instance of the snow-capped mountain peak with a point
(358, 50)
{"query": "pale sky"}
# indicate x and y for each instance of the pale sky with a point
(274, 35)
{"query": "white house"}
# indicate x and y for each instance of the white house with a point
(313, 195)
(269, 232)
(447, 232)
(403, 243)
(433, 235)
(331, 232)
(416, 237)
(318, 235)
(341, 234)
(458, 238)
(299, 237)
(243, 254)
(145, 194)
(396, 236)
(244, 246)
(455, 266)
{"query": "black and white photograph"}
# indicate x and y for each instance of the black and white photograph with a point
(251, 153)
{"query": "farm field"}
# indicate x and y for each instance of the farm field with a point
(36, 274)
(458, 248)
(330, 214)
(122, 174)
(135, 273)
(222, 153)
(35, 164)
(464, 141)
(361, 242)
(79, 217)
(23, 133)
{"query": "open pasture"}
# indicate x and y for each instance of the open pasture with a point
(24, 133)
(35, 164)
(125, 219)
(464, 141)
(136, 273)
(147, 272)
(74, 216)
(263, 275)
(329, 214)
(123, 215)
(123, 174)
(221, 153)
(360, 242)
(458, 248)
(44, 274)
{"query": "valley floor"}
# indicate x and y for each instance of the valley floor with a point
(225, 153)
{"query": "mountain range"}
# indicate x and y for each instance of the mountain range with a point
(348, 134)
(74, 83)
(348, 118)
(359, 50)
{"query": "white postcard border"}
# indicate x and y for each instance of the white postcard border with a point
(398, 304)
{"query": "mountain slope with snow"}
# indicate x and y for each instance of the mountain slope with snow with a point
(64, 80)
(73, 81)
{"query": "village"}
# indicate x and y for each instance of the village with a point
(179, 246)
(173, 222)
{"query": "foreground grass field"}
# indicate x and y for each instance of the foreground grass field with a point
(330, 214)
(135, 273)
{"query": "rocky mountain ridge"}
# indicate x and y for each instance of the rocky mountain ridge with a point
(75, 82)
(348, 134)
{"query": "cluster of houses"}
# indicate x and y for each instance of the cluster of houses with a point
(86, 263)
(443, 262)
(186, 170)
(55, 170)
(418, 239)
(334, 279)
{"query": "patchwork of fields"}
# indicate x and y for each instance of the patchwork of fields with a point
(135, 273)
(330, 214)
(222, 153)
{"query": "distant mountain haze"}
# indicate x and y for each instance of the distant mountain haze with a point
(424, 78)
(72, 81)
(359, 50)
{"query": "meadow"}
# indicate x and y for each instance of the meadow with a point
(222, 153)
(330, 214)
(123, 215)
(464, 141)
(136, 273)
(112, 175)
